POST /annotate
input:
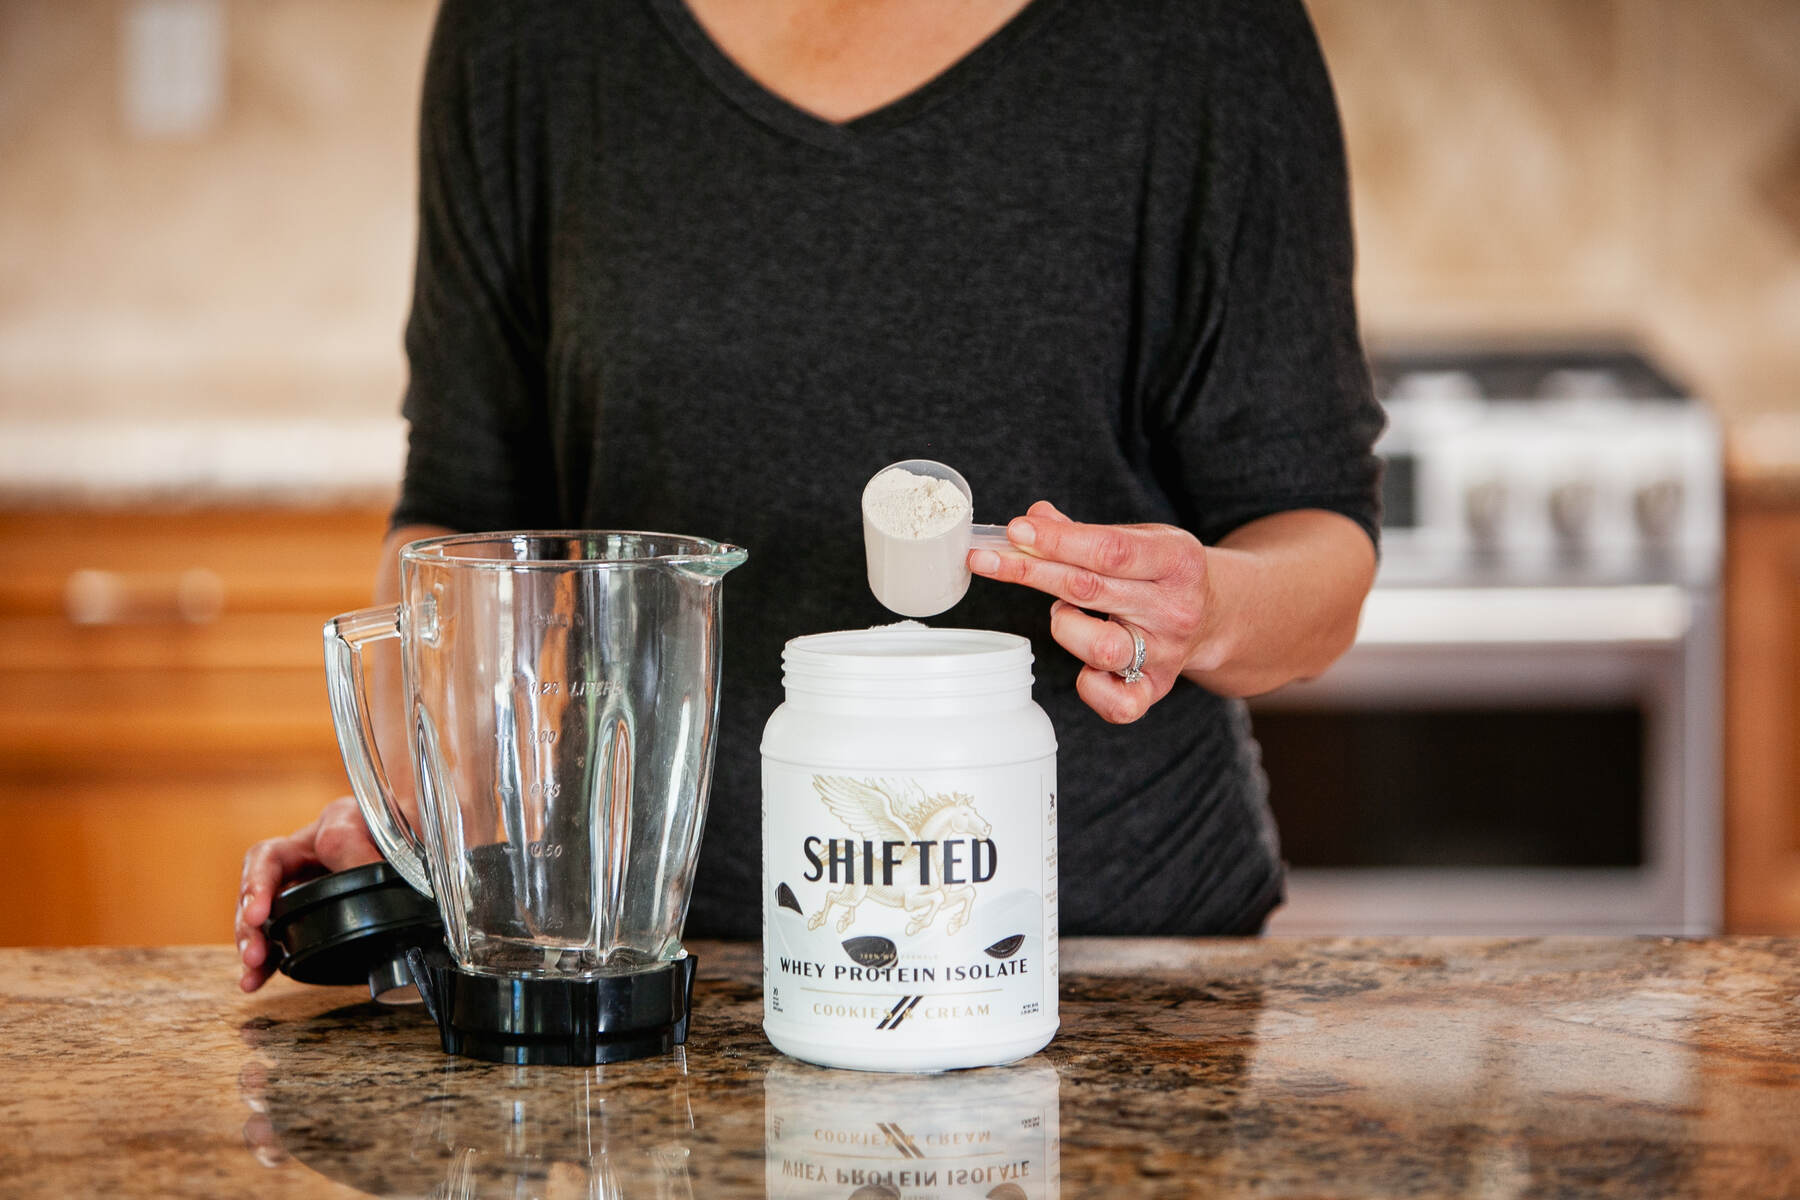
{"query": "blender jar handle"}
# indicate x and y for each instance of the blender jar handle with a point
(345, 636)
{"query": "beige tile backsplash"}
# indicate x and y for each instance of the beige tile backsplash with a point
(1521, 168)
(1538, 167)
(261, 265)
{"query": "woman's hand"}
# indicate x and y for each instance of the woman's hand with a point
(1277, 599)
(1109, 580)
(336, 841)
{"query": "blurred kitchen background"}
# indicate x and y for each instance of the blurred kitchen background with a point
(1577, 702)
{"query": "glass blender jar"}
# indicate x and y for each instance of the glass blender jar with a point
(560, 692)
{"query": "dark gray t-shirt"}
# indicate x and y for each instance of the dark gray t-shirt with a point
(1103, 260)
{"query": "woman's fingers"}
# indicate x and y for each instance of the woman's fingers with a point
(1099, 642)
(1077, 585)
(266, 865)
(1109, 568)
(1105, 649)
(343, 838)
(338, 839)
(1115, 700)
(1142, 552)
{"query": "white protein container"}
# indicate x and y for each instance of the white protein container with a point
(909, 852)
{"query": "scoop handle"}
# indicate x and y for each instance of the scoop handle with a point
(989, 537)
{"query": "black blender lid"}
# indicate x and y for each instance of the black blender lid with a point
(352, 927)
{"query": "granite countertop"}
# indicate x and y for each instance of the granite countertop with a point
(1279, 1067)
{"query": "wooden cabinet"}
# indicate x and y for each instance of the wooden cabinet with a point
(1762, 728)
(162, 706)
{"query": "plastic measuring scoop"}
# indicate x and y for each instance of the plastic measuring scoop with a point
(921, 576)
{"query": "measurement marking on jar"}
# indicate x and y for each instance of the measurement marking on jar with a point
(573, 687)
(540, 737)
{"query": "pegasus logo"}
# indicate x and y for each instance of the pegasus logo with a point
(921, 854)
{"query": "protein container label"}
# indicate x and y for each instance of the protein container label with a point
(913, 910)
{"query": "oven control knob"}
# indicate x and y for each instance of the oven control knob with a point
(1658, 507)
(1572, 511)
(1484, 508)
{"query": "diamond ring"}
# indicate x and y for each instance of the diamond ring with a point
(1135, 671)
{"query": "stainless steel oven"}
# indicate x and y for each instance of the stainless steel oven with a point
(1524, 737)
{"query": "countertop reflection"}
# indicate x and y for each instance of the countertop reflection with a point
(1377, 1067)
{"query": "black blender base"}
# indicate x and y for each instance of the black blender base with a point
(555, 1022)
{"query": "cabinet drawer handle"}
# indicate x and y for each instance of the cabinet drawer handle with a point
(195, 596)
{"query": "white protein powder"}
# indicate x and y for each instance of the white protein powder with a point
(904, 505)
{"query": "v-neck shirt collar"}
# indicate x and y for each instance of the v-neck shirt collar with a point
(759, 102)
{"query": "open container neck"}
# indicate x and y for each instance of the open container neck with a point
(907, 662)
(560, 549)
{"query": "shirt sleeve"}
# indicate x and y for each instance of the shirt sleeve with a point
(1263, 402)
(478, 453)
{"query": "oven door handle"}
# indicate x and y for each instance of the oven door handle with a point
(1639, 614)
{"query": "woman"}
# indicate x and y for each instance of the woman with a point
(706, 266)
